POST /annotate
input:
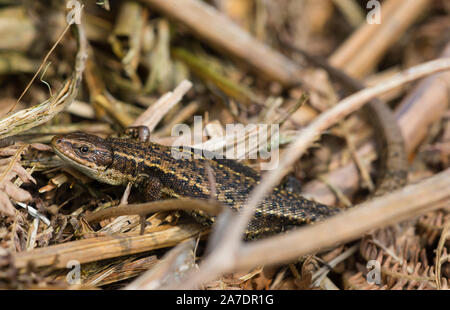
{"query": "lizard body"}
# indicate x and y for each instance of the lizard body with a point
(118, 161)
(157, 170)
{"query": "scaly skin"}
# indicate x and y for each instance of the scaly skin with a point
(154, 168)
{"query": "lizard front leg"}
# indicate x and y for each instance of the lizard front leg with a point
(150, 189)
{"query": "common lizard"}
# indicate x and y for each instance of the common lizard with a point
(154, 168)
(156, 171)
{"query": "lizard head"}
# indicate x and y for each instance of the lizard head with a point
(90, 154)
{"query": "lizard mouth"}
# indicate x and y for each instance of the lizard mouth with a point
(62, 148)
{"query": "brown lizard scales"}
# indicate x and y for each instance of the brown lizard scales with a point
(154, 168)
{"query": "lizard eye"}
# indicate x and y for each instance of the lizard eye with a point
(84, 149)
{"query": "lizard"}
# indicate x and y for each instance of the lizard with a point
(156, 171)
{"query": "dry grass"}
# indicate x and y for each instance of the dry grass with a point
(124, 66)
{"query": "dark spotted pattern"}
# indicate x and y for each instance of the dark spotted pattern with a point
(188, 177)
